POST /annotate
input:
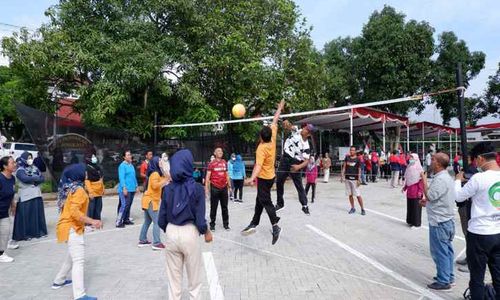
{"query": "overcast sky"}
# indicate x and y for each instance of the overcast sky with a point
(476, 22)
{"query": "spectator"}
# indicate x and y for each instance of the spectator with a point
(414, 191)
(311, 176)
(327, 164)
(395, 168)
(127, 188)
(440, 198)
(144, 167)
(483, 231)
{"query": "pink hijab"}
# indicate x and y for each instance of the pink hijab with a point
(412, 174)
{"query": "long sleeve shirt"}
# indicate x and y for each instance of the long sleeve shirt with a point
(441, 196)
(484, 189)
(29, 184)
(194, 213)
(126, 175)
(74, 208)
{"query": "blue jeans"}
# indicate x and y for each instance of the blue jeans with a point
(440, 238)
(124, 207)
(150, 216)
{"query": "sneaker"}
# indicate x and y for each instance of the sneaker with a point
(249, 230)
(89, 229)
(353, 210)
(159, 246)
(363, 212)
(238, 200)
(462, 262)
(453, 283)
(464, 269)
(279, 207)
(4, 258)
(12, 245)
(120, 225)
(212, 227)
(130, 219)
(143, 244)
(276, 233)
(87, 298)
(305, 209)
(128, 222)
(439, 286)
(56, 286)
(227, 228)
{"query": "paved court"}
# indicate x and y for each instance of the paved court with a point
(328, 255)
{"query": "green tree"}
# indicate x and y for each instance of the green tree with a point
(189, 61)
(451, 51)
(390, 59)
(489, 104)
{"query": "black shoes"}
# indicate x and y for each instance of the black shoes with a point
(278, 207)
(249, 230)
(305, 209)
(276, 233)
(128, 223)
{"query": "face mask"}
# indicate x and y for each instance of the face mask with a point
(165, 158)
(94, 160)
(412, 161)
(29, 161)
(479, 169)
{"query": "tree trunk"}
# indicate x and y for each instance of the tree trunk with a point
(146, 97)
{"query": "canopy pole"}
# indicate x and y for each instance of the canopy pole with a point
(439, 134)
(451, 147)
(320, 143)
(383, 134)
(407, 138)
(423, 140)
(456, 141)
(350, 127)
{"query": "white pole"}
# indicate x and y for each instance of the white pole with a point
(407, 138)
(439, 133)
(350, 126)
(451, 147)
(423, 141)
(383, 134)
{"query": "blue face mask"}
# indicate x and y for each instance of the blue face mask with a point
(479, 169)
(412, 161)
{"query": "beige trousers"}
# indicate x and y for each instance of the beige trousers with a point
(183, 249)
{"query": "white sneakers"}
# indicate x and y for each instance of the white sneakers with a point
(12, 246)
(4, 258)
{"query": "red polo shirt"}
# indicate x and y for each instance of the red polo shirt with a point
(218, 175)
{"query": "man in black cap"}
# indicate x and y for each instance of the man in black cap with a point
(295, 157)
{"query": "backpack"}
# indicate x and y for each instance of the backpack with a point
(489, 292)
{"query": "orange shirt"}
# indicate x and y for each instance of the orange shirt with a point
(266, 156)
(95, 188)
(153, 193)
(75, 207)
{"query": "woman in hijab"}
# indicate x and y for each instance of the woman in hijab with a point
(238, 178)
(311, 176)
(94, 184)
(182, 217)
(73, 202)
(414, 190)
(29, 221)
(151, 204)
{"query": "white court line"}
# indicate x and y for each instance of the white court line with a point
(212, 277)
(377, 265)
(403, 221)
(318, 266)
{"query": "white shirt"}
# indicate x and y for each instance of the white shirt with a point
(296, 147)
(428, 159)
(484, 189)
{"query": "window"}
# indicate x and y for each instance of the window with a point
(25, 147)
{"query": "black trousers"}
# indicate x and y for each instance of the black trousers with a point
(283, 172)
(374, 172)
(313, 185)
(238, 188)
(483, 250)
(263, 201)
(219, 195)
(413, 212)
(95, 208)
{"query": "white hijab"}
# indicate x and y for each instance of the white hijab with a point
(413, 171)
